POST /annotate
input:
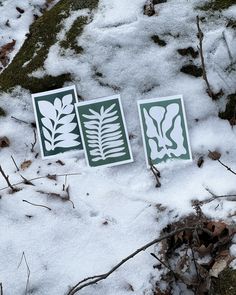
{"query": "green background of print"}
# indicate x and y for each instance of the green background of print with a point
(51, 98)
(165, 103)
(96, 106)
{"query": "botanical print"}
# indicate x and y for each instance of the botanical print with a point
(56, 121)
(104, 132)
(164, 129)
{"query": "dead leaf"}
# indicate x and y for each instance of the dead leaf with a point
(200, 161)
(52, 176)
(20, 10)
(4, 142)
(5, 50)
(214, 155)
(216, 228)
(220, 264)
(203, 250)
(60, 162)
(25, 164)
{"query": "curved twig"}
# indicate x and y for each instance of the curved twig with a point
(94, 279)
(41, 177)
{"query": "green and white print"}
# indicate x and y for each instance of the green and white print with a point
(164, 129)
(56, 121)
(104, 132)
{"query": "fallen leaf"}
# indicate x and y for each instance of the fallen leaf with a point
(5, 50)
(214, 155)
(25, 164)
(4, 142)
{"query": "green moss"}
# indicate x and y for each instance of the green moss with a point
(42, 35)
(2, 112)
(71, 36)
(218, 4)
(225, 284)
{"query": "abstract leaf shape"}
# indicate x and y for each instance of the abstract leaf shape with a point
(104, 134)
(164, 131)
(47, 110)
(58, 123)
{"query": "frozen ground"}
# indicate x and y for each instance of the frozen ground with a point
(115, 208)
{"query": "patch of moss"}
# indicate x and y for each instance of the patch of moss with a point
(225, 284)
(230, 110)
(218, 4)
(2, 112)
(42, 35)
(71, 36)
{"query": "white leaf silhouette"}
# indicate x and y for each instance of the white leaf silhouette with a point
(104, 135)
(47, 110)
(164, 131)
(58, 123)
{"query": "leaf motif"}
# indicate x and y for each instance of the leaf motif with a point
(47, 123)
(104, 134)
(164, 130)
(66, 119)
(67, 143)
(46, 134)
(58, 123)
(47, 110)
(58, 104)
(68, 109)
(66, 128)
(67, 100)
(48, 145)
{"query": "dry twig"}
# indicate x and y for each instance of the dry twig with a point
(28, 271)
(1, 289)
(38, 178)
(13, 160)
(37, 205)
(34, 142)
(6, 177)
(200, 49)
(95, 279)
(156, 173)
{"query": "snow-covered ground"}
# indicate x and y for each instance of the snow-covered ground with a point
(115, 208)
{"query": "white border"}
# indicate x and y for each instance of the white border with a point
(158, 99)
(39, 94)
(102, 99)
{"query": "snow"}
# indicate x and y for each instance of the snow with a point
(115, 208)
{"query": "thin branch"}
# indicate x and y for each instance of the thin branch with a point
(26, 181)
(37, 205)
(200, 203)
(34, 142)
(19, 120)
(1, 289)
(163, 263)
(228, 168)
(217, 159)
(13, 160)
(6, 177)
(94, 279)
(40, 177)
(228, 49)
(156, 173)
(28, 271)
(200, 49)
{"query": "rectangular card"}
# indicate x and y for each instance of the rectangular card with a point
(56, 121)
(103, 132)
(164, 129)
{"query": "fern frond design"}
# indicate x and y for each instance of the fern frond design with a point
(104, 135)
(58, 123)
